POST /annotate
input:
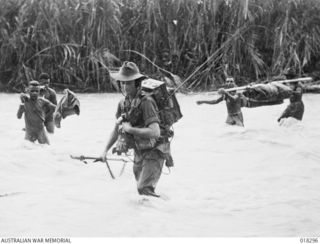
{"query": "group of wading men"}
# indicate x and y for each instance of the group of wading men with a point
(152, 143)
(38, 106)
(235, 100)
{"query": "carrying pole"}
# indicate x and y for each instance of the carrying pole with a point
(303, 79)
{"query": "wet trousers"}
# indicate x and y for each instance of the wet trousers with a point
(147, 169)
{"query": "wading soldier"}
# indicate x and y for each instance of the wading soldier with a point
(138, 127)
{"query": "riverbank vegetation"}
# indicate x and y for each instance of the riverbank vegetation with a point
(79, 41)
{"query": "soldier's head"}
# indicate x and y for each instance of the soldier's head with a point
(165, 57)
(129, 77)
(290, 73)
(33, 89)
(44, 79)
(230, 84)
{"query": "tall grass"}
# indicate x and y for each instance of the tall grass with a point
(78, 41)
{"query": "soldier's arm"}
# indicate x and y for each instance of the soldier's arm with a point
(114, 134)
(54, 98)
(232, 98)
(50, 105)
(151, 131)
(287, 112)
(24, 98)
(215, 101)
(112, 138)
(20, 111)
(298, 92)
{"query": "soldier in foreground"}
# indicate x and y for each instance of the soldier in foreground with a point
(138, 127)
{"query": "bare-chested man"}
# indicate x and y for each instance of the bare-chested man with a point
(34, 109)
(296, 107)
(234, 102)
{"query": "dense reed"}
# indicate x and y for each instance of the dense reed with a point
(78, 41)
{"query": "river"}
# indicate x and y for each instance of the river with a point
(258, 181)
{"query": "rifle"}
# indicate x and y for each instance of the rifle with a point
(83, 159)
(96, 159)
(304, 79)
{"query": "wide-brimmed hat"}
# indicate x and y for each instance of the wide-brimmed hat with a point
(128, 71)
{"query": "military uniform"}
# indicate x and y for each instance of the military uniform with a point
(149, 154)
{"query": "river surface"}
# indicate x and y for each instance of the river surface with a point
(259, 181)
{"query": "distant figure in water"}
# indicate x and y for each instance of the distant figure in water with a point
(234, 102)
(34, 109)
(49, 94)
(296, 107)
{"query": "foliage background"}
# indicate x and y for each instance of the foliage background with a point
(78, 41)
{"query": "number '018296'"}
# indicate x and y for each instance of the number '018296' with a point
(308, 240)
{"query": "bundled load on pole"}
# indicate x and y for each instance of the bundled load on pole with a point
(312, 88)
(267, 94)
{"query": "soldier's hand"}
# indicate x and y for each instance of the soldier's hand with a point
(120, 129)
(221, 91)
(126, 126)
(24, 97)
(119, 120)
(122, 147)
(103, 157)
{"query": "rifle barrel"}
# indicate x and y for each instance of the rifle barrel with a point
(88, 157)
(82, 157)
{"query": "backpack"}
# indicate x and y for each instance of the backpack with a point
(169, 108)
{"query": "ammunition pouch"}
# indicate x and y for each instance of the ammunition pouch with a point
(123, 144)
(162, 144)
(144, 143)
(169, 160)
